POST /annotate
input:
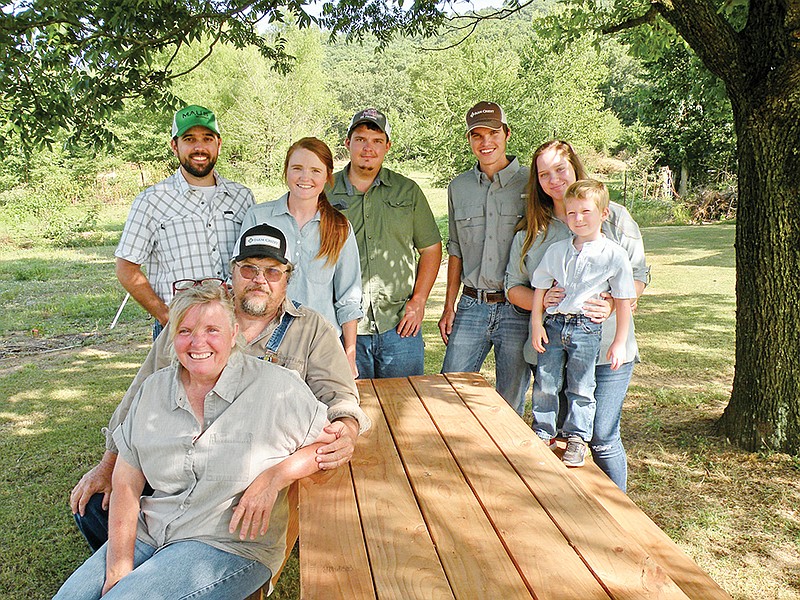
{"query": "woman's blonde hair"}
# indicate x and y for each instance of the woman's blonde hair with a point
(204, 293)
(333, 225)
(539, 209)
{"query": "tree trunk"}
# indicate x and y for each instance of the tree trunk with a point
(683, 185)
(764, 409)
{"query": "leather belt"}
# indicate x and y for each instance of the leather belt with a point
(485, 296)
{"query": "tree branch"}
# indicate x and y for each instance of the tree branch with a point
(710, 35)
(647, 18)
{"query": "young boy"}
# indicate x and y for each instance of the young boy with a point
(584, 266)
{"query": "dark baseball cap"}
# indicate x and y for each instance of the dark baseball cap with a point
(370, 115)
(261, 241)
(486, 114)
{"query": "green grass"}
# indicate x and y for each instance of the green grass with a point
(735, 513)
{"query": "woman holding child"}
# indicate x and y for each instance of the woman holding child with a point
(219, 454)
(556, 166)
(322, 246)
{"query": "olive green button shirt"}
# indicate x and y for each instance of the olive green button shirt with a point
(391, 221)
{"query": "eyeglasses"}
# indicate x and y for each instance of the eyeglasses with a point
(271, 274)
(186, 284)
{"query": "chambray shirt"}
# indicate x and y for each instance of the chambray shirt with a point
(620, 228)
(310, 347)
(391, 221)
(599, 266)
(177, 233)
(333, 291)
(256, 415)
(482, 215)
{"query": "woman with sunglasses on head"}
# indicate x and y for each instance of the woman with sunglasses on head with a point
(218, 453)
(556, 166)
(321, 242)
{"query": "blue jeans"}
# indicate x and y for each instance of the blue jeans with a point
(574, 342)
(388, 355)
(479, 326)
(608, 452)
(184, 569)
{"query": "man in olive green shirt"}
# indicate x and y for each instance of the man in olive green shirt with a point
(392, 223)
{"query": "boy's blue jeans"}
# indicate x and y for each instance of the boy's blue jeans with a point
(574, 341)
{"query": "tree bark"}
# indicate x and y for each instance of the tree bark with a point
(764, 409)
(760, 66)
(683, 185)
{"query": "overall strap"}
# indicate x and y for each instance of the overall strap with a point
(280, 331)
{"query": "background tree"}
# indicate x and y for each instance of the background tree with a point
(687, 116)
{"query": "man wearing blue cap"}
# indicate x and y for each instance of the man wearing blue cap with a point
(185, 226)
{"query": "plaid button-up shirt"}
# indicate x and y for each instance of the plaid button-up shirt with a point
(177, 233)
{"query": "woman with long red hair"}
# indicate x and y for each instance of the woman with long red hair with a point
(327, 271)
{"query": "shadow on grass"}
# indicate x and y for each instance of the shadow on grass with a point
(51, 413)
(713, 243)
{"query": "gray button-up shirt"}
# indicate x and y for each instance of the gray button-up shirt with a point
(482, 215)
(310, 347)
(200, 472)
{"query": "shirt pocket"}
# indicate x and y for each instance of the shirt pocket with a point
(319, 272)
(178, 241)
(396, 222)
(229, 456)
(511, 212)
(470, 223)
(229, 225)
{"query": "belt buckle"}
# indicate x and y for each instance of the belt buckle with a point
(481, 296)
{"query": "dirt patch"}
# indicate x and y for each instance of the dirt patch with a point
(31, 343)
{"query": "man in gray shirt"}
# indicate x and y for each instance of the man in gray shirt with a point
(275, 329)
(484, 206)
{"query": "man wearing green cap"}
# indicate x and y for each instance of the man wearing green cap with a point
(185, 226)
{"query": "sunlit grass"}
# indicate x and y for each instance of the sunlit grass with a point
(736, 513)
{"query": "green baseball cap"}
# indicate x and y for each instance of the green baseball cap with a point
(188, 117)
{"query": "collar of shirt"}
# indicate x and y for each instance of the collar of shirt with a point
(226, 388)
(184, 187)
(282, 208)
(590, 248)
(504, 176)
(287, 307)
(344, 182)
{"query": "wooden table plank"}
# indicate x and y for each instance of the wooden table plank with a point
(693, 580)
(332, 552)
(626, 570)
(403, 559)
(551, 567)
(475, 561)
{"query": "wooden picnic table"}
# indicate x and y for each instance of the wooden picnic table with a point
(451, 495)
